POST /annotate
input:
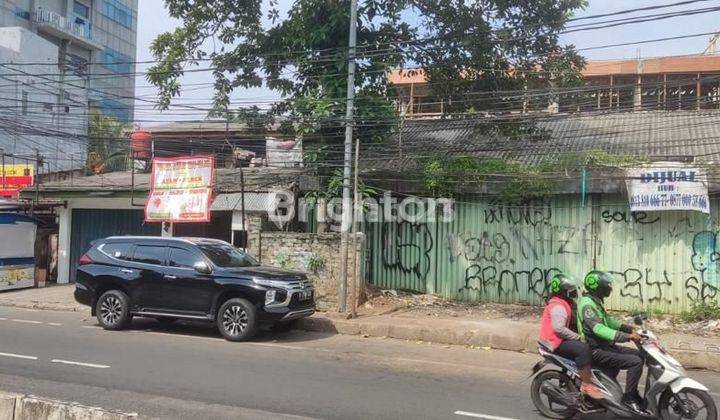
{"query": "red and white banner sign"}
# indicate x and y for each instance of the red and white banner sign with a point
(179, 205)
(183, 172)
(14, 178)
(182, 190)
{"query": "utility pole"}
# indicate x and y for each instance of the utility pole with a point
(346, 205)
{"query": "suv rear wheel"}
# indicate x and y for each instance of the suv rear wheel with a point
(236, 320)
(113, 310)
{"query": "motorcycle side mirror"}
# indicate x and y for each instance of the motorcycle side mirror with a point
(639, 319)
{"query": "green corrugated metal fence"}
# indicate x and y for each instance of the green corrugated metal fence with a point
(661, 260)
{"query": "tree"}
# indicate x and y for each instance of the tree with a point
(462, 46)
(103, 150)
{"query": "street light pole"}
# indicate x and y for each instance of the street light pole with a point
(346, 205)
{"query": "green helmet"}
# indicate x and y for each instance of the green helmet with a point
(564, 285)
(599, 284)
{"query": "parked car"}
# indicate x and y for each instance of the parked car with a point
(188, 278)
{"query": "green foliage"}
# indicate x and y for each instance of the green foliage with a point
(282, 260)
(574, 161)
(105, 149)
(702, 311)
(448, 176)
(316, 263)
(334, 188)
(462, 47)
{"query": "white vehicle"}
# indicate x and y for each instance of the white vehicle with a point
(669, 392)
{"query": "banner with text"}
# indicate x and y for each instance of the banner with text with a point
(667, 186)
(14, 178)
(183, 172)
(181, 190)
(179, 205)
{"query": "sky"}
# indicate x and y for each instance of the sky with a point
(153, 19)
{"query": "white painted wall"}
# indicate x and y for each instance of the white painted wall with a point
(65, 222)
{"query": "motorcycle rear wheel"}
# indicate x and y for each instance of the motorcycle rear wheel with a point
(546, 406)
(669, 409)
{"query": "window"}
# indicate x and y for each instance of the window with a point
(224, 255)
(148, 254)
(24, 103)
(120, 251)
(115, 109)
(81, 9)
(116, 61)
(182, 258)
(117, 12)
(22, 13)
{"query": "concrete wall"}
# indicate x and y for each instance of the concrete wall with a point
(316, 254)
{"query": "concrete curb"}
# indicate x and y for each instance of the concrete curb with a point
(507, 340)
(43, 306)
(28, 407)
(521, 340)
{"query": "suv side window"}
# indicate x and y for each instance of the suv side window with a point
(182, 258)
(150, 254)
(118, 250)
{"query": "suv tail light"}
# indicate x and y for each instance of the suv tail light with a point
(84, 260)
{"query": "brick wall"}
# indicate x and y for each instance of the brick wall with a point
(316, 254)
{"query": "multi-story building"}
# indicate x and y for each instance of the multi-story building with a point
(662, 83)
(96, 41)
(59, 61)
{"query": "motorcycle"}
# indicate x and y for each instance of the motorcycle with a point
(669, 393)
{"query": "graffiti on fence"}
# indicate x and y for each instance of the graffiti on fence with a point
(532, 216)
(491, 281)
(705, 259)
(622, 216)
(643, 285)
(483, 247)
(407, 247)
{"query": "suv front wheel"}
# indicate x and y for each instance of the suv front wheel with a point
(113, 310)
(236, 320)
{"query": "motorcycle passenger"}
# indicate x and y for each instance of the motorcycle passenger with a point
(602, 332)
(556, 331)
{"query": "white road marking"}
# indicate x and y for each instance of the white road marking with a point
(25, 321)
(280, 346)
(18, 356)
(3, 319)
(92, 327)
(54, 324)
(481, 416)
(70, 362)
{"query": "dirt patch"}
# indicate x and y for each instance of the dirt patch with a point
(396, 301)
(382, 302)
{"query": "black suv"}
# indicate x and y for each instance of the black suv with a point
(188, 278)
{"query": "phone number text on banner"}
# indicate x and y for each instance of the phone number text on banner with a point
(179, 205)
(667, 187)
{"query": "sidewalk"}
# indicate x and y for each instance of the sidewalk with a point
(498, 333)
(55, 298)
(692, 351)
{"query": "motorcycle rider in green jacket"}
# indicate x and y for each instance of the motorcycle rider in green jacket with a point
(602, 332)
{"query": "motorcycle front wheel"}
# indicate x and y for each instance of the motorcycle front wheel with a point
(690, 404)
(546, 404)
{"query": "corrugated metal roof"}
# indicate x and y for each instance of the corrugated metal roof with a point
(254, 202)
(226, 180)
(669, 134)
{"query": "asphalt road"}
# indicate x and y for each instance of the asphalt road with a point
(188, 372)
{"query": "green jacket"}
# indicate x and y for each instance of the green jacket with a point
(598, 327)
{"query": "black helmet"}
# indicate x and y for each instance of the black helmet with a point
(599, 284)
(564, 285)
